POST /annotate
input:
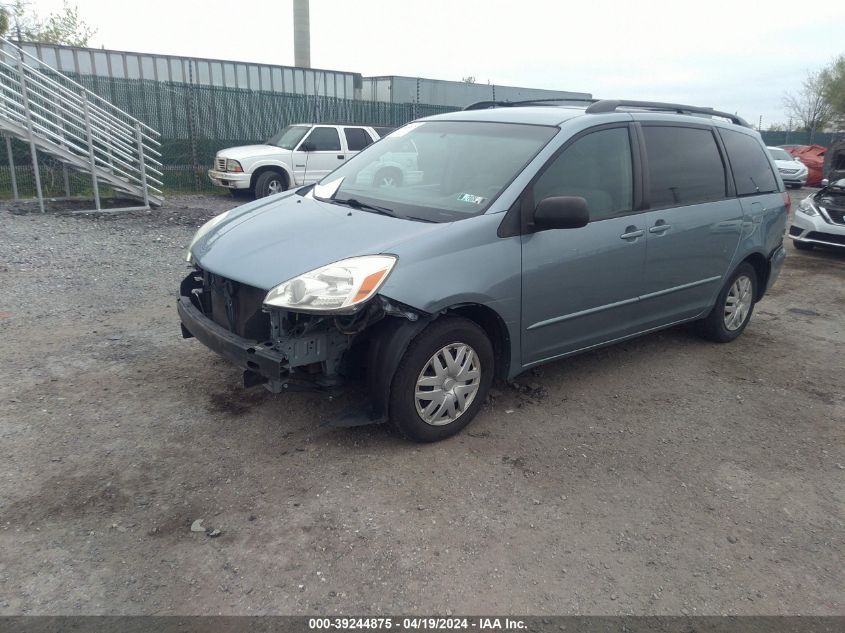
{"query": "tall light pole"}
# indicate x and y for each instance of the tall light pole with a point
(301, 34)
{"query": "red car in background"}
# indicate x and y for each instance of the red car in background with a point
(813, 157)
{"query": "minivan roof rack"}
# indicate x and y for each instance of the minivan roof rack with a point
(485, 105)
(611, 105)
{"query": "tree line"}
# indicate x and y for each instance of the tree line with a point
(819, 105)
(19, 21)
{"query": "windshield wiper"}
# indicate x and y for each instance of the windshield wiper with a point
(357, 204)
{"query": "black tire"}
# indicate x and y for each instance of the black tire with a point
(388, 177)
(270, 182)
(802, 246)
(713, 326)
(441, 333)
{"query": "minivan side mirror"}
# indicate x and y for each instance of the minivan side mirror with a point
(825, 182)
(561, 212)
(307, 146)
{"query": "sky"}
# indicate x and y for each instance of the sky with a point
(739, 56)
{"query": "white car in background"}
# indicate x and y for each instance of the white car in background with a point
(792, 171)
(820, 218)
(297, 155)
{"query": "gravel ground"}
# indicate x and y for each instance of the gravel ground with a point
(664, 475)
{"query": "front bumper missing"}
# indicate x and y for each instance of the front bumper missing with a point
(320, 359)
(259, 361)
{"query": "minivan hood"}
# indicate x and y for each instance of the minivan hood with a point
(269, 241)
(251, 151)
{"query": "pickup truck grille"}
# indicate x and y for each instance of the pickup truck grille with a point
(220, 163)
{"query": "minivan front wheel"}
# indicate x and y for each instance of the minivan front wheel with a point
(442, 380)
(733, 308)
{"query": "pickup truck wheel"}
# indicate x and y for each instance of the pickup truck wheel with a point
(270, 182)
(733, 308)
(442, 380)
(388, 178)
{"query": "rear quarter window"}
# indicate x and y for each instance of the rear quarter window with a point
(356, 138)
(684, 166)
(751, 167)
(383, 131)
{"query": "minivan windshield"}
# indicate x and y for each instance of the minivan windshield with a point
(779, 154)
(289, 136)
(436, 171)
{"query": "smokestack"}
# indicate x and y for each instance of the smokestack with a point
(301, 34)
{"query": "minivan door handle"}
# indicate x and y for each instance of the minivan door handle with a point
(660, 227)
(631, 233)
(340, 156)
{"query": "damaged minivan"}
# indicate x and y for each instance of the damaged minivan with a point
(522, 233)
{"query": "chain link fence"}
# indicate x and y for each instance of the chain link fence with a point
(196, 121)
(825, 139)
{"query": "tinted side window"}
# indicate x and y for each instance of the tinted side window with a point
(751, 168)
(596, 167)
(684, 166)
(356, 138)
(383, 131)
(324, 139)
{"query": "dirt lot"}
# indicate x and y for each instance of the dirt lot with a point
(662, 476)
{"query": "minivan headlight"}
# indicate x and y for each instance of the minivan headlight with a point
(205, 228)
(807, 207)
(233, 165)
(339, 287)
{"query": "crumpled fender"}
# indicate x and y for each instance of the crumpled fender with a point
(387, 344)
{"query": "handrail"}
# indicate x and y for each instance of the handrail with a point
(59, 115)
(95, 96)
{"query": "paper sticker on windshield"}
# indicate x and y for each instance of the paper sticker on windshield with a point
(468, 197)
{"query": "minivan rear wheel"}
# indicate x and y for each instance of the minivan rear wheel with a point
(734, 305)
(442, 380)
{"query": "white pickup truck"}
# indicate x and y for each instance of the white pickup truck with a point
(297, 155)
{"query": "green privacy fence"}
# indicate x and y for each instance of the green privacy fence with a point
(195, 121)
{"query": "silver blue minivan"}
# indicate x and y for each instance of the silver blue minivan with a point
(509, 235)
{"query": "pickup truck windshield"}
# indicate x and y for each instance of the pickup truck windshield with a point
(288, 137)
(438, 171)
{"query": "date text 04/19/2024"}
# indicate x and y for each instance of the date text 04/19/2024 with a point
(416, 624)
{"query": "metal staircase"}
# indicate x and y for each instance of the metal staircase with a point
(61, 118)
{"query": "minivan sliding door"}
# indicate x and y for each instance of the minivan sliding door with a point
(580, 286)
(694, 225)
